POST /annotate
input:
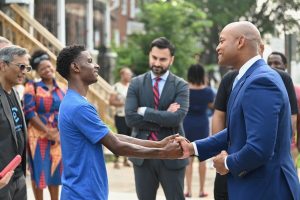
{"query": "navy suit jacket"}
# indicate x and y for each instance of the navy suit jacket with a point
(257, 138)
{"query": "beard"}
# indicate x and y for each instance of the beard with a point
(158, 70)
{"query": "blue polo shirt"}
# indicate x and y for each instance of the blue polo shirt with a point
(84, 173)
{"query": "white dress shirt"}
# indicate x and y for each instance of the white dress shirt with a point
(161, 84)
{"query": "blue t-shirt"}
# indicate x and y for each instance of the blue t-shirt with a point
(84, 174)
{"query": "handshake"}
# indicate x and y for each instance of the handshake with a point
(178, 147)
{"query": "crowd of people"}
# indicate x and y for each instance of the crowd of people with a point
(161, 120)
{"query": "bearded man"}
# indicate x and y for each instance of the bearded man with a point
(156, 104)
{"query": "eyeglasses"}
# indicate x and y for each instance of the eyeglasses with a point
(22, 67)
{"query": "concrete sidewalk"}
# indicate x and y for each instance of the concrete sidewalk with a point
(121, 184)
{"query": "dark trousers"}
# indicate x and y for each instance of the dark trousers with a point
(220, 187)
(151, 173)
(15, 189)
(122, 128)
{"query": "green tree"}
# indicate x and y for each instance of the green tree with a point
(267, 16)
(179, 21)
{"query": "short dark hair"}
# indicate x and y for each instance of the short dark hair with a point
(37, 57)
(66, 57)
(196, 74)
(283, 58)
(163, 43)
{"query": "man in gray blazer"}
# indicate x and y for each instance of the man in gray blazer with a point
(156, 104)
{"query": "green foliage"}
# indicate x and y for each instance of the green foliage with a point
(266, 16)
(192, 30)
(179, 21)
(220, 12)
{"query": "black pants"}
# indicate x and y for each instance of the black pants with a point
(220, 187)
(15, 189)
(122, 128)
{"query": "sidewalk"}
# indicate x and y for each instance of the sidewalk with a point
(121, 184)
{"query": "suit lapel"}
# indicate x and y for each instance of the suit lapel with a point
(236, 89)
(241, 82)
(7, 111)
(167, 90)
(22, 113)
(234, 93)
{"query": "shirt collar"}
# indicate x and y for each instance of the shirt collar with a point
(163, 77)
(247, 65)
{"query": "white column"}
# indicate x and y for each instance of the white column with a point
(89, 25)
(107, 24)
(61, 21)
(31, 8)
(31, 13)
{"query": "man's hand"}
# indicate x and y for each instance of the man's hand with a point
(186, 146)
(172, 150)
(173, 107)
(5, 179)
(166, 140)
(219, 163)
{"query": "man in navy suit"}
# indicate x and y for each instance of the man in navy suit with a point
(255, 146)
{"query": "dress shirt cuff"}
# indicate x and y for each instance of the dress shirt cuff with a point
(195, 149)
(141, 110)
(225, 162)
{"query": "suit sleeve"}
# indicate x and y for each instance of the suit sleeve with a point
(133, 119)
(211, 146)
(171, 119)
(261, 104)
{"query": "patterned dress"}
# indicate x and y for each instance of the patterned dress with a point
(44, 155)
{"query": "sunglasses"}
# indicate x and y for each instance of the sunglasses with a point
(40, 58)
(22, 67)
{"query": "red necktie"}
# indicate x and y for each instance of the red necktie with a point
(153, 135)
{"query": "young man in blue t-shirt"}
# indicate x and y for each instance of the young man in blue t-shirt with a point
(82, 132)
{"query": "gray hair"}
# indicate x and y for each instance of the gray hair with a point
(7, 53)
